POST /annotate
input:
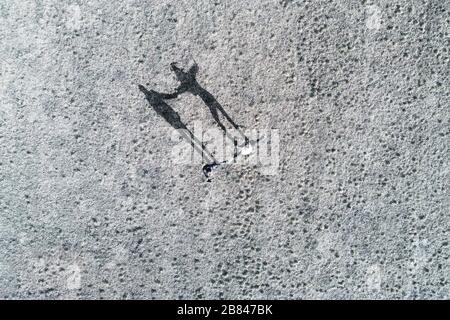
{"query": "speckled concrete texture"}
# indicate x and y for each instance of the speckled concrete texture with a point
(91, 205)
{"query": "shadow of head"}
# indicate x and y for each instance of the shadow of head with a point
(183, 76)
(143, 89)
(151, 95)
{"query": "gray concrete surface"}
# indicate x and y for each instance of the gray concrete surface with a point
(92, 207)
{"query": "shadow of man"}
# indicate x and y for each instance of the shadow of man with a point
(156, 100)
(188, 83)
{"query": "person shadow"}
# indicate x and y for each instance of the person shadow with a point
(157, 101)
(188, 83)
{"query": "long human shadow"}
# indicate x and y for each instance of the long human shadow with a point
(156, 100)
(188, 83)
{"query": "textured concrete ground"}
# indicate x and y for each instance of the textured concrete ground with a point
(91, 205)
